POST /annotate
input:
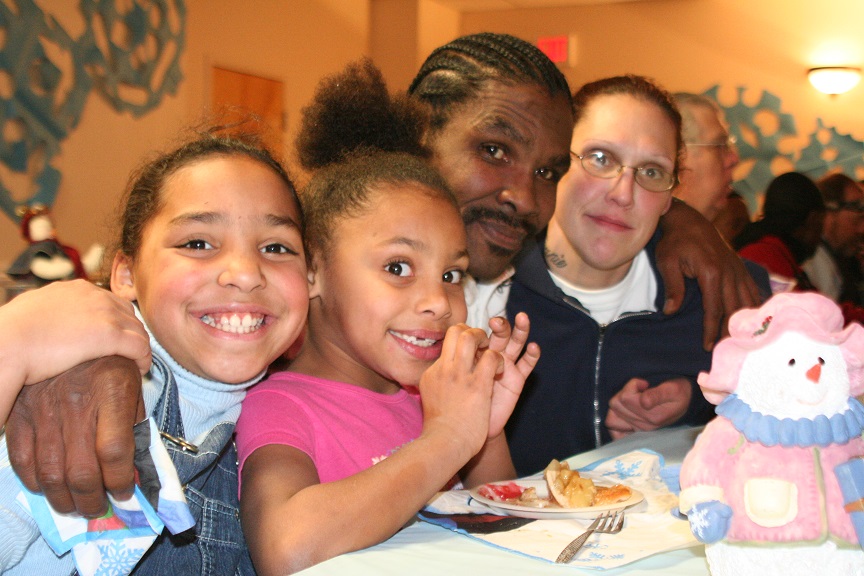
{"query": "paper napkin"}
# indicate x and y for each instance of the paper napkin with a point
(114, 543)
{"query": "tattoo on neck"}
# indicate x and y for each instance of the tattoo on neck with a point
(554, 260)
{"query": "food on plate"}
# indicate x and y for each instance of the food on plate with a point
(513, 493)
(565, 489)
(570, 490)
(611, 495)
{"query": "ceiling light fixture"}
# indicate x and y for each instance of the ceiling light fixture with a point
(834, 79)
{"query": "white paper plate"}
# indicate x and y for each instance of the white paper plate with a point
(550, 512)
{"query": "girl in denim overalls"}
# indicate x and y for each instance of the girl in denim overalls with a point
(211, 253)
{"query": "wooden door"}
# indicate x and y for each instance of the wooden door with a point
(236, 94)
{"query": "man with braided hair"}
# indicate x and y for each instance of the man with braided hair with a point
(501, 121)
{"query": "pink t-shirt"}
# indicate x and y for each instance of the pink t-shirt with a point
(343, 428)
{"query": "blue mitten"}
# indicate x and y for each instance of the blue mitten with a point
(709, 521)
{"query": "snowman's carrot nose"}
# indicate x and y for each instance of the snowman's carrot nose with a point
(814, 373)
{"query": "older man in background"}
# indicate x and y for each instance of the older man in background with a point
(710, 157)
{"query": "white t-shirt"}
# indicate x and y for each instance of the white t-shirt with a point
(636, 292)
(487, 300)
(823, 272)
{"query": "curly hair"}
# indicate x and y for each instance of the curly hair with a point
(352, 110)
(358, 140)
(458, 71)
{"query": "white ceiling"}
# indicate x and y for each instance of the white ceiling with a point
(488, 5)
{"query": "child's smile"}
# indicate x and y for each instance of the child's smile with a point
(220, 277)
(423, 345)
(234, 323)
(389, 287)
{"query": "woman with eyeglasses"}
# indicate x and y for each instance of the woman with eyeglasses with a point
(612, 362)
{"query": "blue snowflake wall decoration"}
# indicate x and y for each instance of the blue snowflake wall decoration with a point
(841, 152)
(131, 55)
(141, 63)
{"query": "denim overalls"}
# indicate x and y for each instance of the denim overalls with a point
(209, 479)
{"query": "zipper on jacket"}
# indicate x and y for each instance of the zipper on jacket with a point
(597, 420)
(601, 335)
(601, 332)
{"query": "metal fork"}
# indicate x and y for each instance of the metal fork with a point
(609, 523)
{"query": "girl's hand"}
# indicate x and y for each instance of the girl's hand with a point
(508, 384)
(457, 388)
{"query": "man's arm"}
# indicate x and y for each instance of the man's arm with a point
(691, 247)
(70, 437)
(46, 331)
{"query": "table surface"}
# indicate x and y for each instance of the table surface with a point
(424, 549)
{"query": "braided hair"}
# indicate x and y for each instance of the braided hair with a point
(456, 72)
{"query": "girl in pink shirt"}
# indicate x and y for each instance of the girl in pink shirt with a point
(339, 453)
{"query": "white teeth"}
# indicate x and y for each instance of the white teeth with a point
(234, 323)
(422, 342)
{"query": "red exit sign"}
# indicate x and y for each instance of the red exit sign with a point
(555, 47)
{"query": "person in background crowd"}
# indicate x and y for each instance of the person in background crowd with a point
(834, 269)
(788, 233)
(710, 156)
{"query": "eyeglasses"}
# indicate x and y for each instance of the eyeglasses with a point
(726, 144)
(856, 207)
(603, 165)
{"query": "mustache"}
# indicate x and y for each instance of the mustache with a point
(477, 213)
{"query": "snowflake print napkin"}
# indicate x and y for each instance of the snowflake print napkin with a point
(113, 544)
(651, 527)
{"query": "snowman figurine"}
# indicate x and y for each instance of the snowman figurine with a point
(767, 486)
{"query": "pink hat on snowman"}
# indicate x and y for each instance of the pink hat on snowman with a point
(807, 313)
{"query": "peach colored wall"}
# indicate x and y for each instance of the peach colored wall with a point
(296, 41)
(437, 26)
(692, 45)
(403, 33)
(393, 39)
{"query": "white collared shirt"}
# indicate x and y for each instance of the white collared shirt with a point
(487, 300)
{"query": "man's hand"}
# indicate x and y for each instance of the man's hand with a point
(71, 438)
(638, 407)
(691, 247)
